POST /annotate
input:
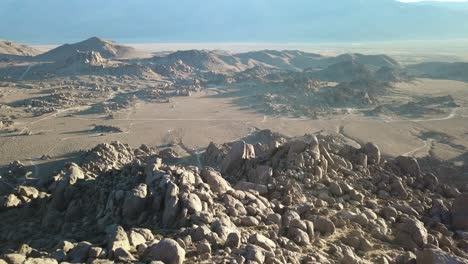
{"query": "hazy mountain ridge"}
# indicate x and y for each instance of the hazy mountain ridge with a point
(108, 49)
(99, 56)
(345, 71)
(10, 49)
(291, 60)
(440, 70)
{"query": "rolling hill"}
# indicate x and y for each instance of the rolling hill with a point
(440, 70)
(108, 49)
(10, 49)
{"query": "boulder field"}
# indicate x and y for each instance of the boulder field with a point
(268, 199)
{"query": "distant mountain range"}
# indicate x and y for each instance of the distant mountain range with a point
(58, 21)
(97, 56)
(104, 57)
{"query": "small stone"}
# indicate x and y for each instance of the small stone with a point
(95, 252)
(297, 223)
(298, 236)
(136, 238)
(203, 248)
(79, 253)
(335, 189)
(214, 179)
(118, 239)
(122, 255)
(324, 226)
(254, 253)
(233, 240)
(411, 234)
(14, 258)
(167, 251)
(193, 203)
(11, 201)
(274, 219)
(249, 221)
(262, 242)
(28, 191)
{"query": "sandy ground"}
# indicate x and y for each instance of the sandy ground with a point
(203, 118)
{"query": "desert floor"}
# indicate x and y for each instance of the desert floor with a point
(206, 117)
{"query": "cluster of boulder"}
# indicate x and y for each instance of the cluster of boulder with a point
(106, 129)
(299, 94)
(266, 199)
(6, 124)
(418, 108)
(61, 98)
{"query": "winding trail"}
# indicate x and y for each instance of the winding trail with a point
(451, 115)
(60, 111)
(33, 162)
(454, 112)
(340, 131)
(427, 144)
(25, 72)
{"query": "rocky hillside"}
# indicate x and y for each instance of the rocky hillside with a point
(93, 63)
(358, 93)
(440, 70)
(203, 60)
(345, 71)
(79, 63)
(268, 199)
(12, 48)
(9, 49)
(388, 74)
(108, 49)
(373, 61)
(288, 60)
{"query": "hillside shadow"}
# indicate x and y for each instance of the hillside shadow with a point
(41, 169)
(452, 171)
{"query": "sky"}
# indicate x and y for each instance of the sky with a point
(292, 21)
(409, 1)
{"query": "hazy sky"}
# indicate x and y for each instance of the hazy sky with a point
(292, 21)
(433, 0)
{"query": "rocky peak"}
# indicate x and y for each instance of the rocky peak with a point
(92, 58)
